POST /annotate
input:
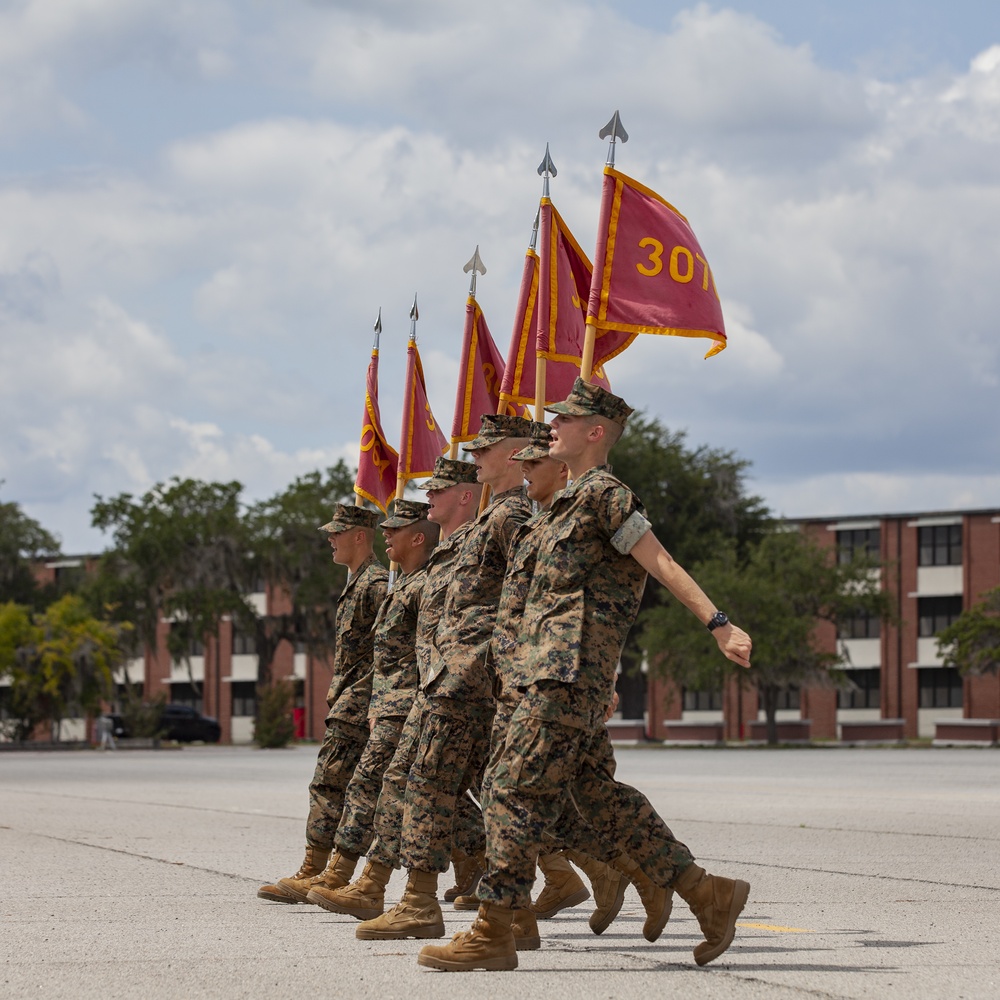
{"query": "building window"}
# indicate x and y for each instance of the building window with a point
(937, 613)
(867, 690)
(702, 701)
(244, 644)
(184, 694)
(858, 543)
(940, 687)
(940, 545)
(244, 699)
(788, 698)
(862, 626)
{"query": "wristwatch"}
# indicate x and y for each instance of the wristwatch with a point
(717, 620)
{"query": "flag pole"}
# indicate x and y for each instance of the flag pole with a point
(476, 266)
(614, 130)
(546, 169)
(359, 500)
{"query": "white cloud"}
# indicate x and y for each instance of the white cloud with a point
(208, 311)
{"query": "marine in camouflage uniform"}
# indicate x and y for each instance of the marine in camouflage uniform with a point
(410, 539)
(351, 532)
(364, 898)
(457, 700)
(582, 601)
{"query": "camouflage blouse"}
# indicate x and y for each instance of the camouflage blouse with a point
(395, 639)
(585, 592)
(458, 655)
(351, 686)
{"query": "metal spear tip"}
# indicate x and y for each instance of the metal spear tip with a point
(378, 322)
(475, 264)
(614, 129)
(414, 315)
(547, 166)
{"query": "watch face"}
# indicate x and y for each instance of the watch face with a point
(717, 620)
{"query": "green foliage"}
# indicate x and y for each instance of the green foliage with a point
(777, 594)
(697, 503)
(142, 719)
(192, 551)
(274, 726)
(58, 661)
(22, 541)
(972, 642)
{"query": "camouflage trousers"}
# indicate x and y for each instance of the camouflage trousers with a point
(423, 810)
(551, 765)
(355, 832)
(570, 829)
(338, 756)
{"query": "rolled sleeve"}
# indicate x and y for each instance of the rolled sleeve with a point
(630, 532)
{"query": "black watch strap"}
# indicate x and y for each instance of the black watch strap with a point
(717, 620)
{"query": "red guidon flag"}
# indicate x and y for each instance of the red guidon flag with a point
(651, 275)
(517, 389)
(564, 281)
(421, 441)
(479, 375)
(376, 480)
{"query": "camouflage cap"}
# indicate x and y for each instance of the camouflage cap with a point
(541, 435)
(405, 513)
(591, 400)
(347, 516)
(498, 427)
(449, 472)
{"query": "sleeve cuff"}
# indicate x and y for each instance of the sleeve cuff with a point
(629, 533)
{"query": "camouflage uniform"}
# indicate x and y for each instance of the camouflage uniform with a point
(394, 687)
(583, 598)
(347, 698)
(388, 819)
(458, 688)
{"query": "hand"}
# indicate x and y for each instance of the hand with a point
(613, 707)
(735, 644)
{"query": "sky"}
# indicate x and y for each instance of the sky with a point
(204, 204)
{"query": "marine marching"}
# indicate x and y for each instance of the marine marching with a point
(472, 681)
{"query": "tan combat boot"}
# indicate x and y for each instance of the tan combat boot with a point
(295, 888)
(563, 887)
(488, 944)
(716, 902)
(416, 915)
(337, 875)
(364, 898)
(608, 886)
(469, 869)
(524, 927)
(656, 901)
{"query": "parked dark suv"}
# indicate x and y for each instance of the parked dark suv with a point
(181, 723)
(185, 724)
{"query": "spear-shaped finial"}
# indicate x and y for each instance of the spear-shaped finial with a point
(476, 266)
(615, 130)
(533, 244)
(546, 169)
(378, 329)
(414, 316)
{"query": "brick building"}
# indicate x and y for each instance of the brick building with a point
(936, 565)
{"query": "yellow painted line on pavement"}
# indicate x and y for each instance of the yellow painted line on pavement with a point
(775, 927)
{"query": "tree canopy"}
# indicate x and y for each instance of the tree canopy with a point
(193, 552)
(22, 541)
(778, 593)
(972, 642)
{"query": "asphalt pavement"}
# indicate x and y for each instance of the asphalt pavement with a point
(874, 873)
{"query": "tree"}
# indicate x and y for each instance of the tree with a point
(191, 551)
(22, 541)
(697, 503)
(59, 661)
(778, 594)
(972, 642)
